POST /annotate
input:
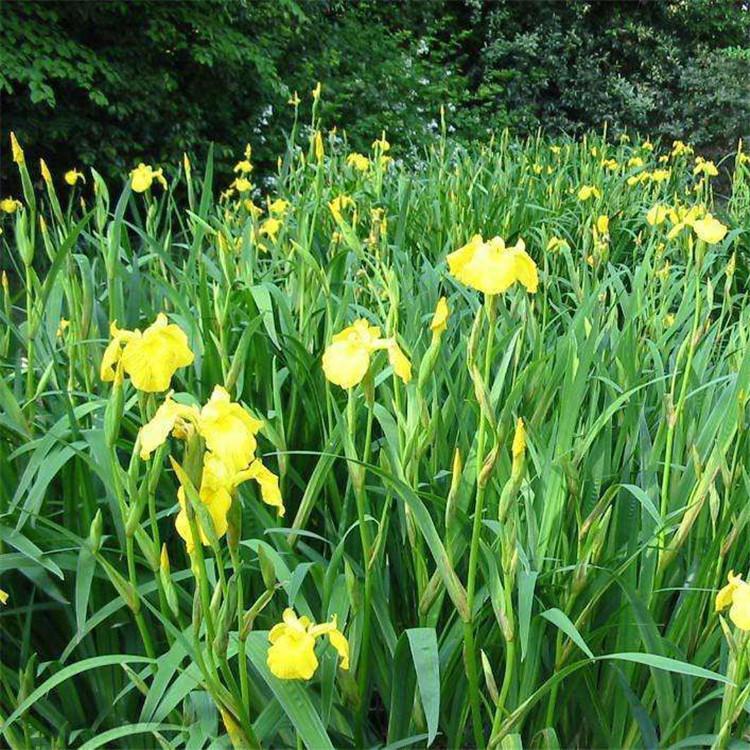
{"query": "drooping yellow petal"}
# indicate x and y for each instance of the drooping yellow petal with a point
(339, 642)
(724, 597)
(155, 432)
(109, 367)
(229, 430)
(526, 270)
(739, 612)
(269, 484)
(399, 362)
(292, 656)
(3, 597)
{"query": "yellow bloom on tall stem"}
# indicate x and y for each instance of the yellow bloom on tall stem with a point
(142, 177)
(736, 596)
(270, 228)
(10, 205)
(150, 358)
(291, 655)
(491, 267)
(229, 430)
(72, 176)
(215, 493)
(360, 162)
(347, 358)
(709, 229)
(656, 214)
(707, 168)
(589, 191)
(244, 166)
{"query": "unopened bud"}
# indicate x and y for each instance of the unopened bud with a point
(95, 532)
(267, 570)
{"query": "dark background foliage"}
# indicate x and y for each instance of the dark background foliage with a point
(113, 83)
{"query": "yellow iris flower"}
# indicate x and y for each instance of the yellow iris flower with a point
(218, 483)
(347, 358)
(150, 358)
(588, 191)
(557, 243)
(242, 185)
(270, 228)
(10, 205)
(291, 655)
(491, 267)
(72, 176)
(278, 207)
(736, 596)
(3, 597)
(229, 431)
(170, 417)
(656, 214)
(244, 166)
(360, 162)
(143, 175)
(707, 168)
(709, 229)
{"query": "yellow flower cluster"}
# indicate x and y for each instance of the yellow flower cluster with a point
(229, 433)
(705, 226)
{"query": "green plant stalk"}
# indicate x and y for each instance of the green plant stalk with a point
(732, 696)
(510, 664)
(140, 620)
(364, 534)
(675, 416)
(29, 340)
(469, 640)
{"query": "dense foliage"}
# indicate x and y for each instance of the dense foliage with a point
(509, 511)
(114, 83)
